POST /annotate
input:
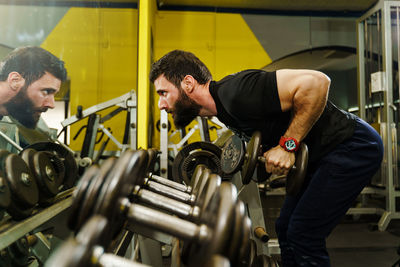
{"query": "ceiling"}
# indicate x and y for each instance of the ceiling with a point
(316, 7)
(272, 6)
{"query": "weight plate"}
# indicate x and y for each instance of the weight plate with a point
(153, 157)
(198, 171)
(79, 194)
(250, 162)
(295, 177)
(5, 259)
(66, 157)
(71, 254)
(219, 217)
(185, 162)
(211, 186)
(94, 232)
(237, 233)
(19, 252)
(17, 212)
(217, 261)
(233, 154)
(45, 174)
(92, 193)
(119, 183)
(5, 194)
(23, 185)
(201, 182)
(248, 247)
(135, 169)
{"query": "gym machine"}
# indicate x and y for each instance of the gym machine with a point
(379, 96)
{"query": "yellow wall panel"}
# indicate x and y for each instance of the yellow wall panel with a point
(99, 47)
(237, 48)
(224, 42)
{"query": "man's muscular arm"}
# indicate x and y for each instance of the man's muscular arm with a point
(305, 93)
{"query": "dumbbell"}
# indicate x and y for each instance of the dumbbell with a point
(235, 156)
(173, 189)
(181, 187)
(240, 241)
(87, 248)
(210, 237)
(190, 198)
(67, 158)
(48, 171)
(87, 191)
(200, 186)
(19, 251)
(237, 235)
(19, 191)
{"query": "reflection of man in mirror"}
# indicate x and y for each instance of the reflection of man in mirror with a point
(29, 79)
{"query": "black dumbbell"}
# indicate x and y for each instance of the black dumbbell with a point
(181, 187)
(236, 156)
(180, 192)
(211, 236)
(20, 191)
(67, 158)
(86, 193)
(48, 171)
(87, 249)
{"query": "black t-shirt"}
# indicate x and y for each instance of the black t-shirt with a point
(248, 101)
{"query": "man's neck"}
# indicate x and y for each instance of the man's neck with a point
(206, 101)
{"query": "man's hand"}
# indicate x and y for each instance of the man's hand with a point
(278, 161)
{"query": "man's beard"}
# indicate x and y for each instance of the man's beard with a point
(23, 110)
(185, 110)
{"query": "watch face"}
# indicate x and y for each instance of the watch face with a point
(290, 145)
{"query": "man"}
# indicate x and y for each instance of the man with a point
(288, 107)
(29, 79)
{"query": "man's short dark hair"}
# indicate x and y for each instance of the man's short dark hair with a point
(32, 62)
(176, 64)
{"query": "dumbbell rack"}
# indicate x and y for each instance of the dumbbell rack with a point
(250, 195)
(11, 231)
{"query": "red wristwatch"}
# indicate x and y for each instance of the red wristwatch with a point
(289, 144)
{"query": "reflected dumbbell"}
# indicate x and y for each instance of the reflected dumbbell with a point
(48, 171)
(211, 236)
(87, 249)
(66, 156)
(19, 191)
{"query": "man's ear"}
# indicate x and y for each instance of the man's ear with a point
(188, 83)
(15, 81)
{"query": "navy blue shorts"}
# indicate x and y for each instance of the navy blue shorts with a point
(307, 219)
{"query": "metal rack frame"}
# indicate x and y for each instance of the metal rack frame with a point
(388, 127)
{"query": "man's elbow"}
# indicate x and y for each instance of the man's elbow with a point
(322, 82)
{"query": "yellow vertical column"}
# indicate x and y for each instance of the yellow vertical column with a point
(147, 9)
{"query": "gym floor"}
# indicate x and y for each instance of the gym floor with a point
(352, 243)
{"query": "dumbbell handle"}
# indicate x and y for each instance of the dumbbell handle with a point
(165, 223)
(263, 160)
(176, 207)
(167, 182)
(170, 192)
(111, 260)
